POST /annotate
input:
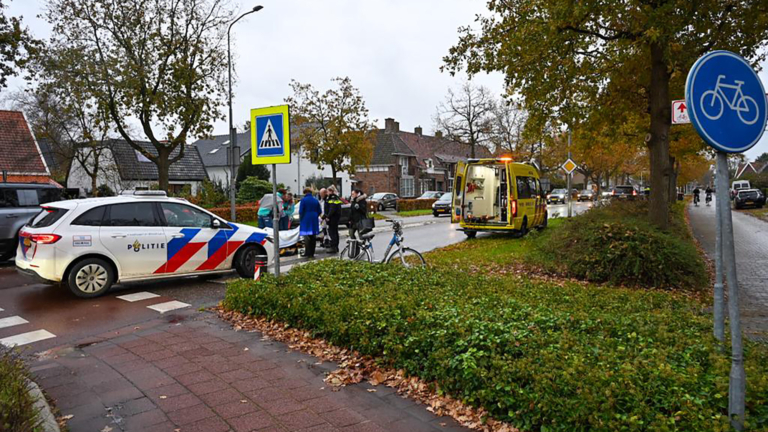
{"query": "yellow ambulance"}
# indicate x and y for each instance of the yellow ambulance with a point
(498, 195)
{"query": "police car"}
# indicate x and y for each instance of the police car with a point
(91, 244)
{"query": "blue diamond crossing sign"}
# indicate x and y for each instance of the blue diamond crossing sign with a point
(726, 102)
(270, 135)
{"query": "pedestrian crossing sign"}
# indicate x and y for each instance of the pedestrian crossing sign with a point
(270, 135)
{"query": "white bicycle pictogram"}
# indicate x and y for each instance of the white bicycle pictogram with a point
(743, 105)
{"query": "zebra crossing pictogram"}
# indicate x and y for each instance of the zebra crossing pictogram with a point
(269, 139)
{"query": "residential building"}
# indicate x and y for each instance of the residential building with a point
(750, 168)
(214, 154)
(21, 160)
(121, 167)
(411, 163)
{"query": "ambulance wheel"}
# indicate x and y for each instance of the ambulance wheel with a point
(470, 234)
(524, 227)
(546, 220)
(90, 278)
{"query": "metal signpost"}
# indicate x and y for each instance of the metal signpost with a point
(727, 106)
(570, 166)
(271, 145)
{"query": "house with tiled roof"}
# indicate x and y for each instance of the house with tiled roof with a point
(750, 168)
(121, 167)
(411, 163)
(21, 160)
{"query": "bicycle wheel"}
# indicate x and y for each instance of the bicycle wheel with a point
(406, 257)
(749, 106)
(363, 254)
(713, 107)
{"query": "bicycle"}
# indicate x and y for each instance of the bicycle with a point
(695, 200)
(740, 103)
(709, 199)
(404, 256)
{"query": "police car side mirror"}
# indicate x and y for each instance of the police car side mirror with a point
(216, 223)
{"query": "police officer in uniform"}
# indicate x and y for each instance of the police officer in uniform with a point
(332, 217)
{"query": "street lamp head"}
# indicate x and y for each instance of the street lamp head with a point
(258, 8)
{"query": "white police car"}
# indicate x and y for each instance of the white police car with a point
(90, 244)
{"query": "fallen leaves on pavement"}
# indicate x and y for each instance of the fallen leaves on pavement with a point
(355, 368)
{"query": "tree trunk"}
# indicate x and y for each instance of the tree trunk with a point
(675, 170)
(658, 144)
(162, 169)
(333, 175)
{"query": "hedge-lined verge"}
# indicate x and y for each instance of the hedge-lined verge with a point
(542, 356)
(244, 212)
(617, 244)
(17, 410)
(414, 204)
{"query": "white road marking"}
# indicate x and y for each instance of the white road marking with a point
(27, 338)
(1, 309)
(12, 321)
(168, 306)
(138, 296)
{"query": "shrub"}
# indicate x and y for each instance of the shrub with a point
(17, 410)
(252, 189)
(541, 356)
(617, 244)
(247, 213)
(104, 191)
(414, 204)
(211, 194)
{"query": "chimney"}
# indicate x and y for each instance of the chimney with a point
(438, 134)
(418, 130)
(390, 125)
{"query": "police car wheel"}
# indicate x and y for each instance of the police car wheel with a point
(245, 262)
(90, 277)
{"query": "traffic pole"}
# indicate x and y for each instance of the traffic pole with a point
(719, 307)
(737, 384)
(276, 221)
(570, 176)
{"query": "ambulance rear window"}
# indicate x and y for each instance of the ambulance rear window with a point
(47, 217)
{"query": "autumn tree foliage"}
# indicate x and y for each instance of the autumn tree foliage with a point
(567, 58)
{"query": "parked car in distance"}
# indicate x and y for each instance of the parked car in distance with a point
(749, 197)
(19, 203)
(431, 195)
(625, 192)
(738, 185)
(557, 196)
(443, 205)
(91, 244)
(586, 195)
(384, 200)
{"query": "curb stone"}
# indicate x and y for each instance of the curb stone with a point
(48, 421)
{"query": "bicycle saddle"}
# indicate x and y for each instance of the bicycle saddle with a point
(367, 236)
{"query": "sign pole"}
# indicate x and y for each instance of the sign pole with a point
(570, 176)
(737, 385)
(276, 221)
(719, 296)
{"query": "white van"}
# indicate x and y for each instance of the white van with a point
(738, 185)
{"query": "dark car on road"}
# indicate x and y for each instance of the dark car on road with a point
(19, 203)
(442, 205)
(749, 198)
(384, 200)
(586, 195)
(627, 193)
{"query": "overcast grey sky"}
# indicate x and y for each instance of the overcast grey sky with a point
(391, 49)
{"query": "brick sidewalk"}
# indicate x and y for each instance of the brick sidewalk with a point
(751, 242)
(200, 375)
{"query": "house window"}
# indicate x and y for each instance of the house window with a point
(141, 157)
(450, 185)
(404, 165)
(214, 151)
(429, 164)
(406, 187)
(440, 186)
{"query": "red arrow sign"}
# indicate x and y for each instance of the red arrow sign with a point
(682, 107)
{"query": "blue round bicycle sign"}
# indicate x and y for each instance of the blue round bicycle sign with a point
(726, 101)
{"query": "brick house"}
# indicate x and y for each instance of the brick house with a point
(21, 160)
(411, 163)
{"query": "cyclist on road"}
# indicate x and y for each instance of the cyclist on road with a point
(709, 194)
(696, 193)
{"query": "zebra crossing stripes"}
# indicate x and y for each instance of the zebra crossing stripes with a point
(27, 338)
(12, 321)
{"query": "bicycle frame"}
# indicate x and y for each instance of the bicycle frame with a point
(737, 97)
(368, 244)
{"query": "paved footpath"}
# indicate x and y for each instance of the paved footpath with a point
(751, 241)
(192, 372)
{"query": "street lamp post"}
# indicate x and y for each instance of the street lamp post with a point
(233, 157)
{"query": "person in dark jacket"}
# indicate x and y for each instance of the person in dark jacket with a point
(309, 221)
(332, 217)
(358, 212)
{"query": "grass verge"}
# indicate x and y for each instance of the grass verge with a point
(410, 213)
(17, 410)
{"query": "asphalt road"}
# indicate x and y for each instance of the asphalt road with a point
(51, 316)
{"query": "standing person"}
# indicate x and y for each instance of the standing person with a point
(332, 217)
(309, 216)
(358, 211)
(289, 208)
(321, 197)
(266, 210)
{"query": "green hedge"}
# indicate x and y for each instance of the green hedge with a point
(17, 410)
(617, 244)
(544, 357)
(414, 204)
